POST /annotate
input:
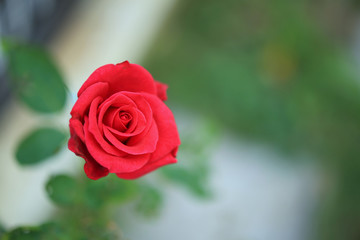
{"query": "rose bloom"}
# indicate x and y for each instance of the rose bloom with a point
(120, 124)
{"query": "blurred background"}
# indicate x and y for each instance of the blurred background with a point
(266, 95)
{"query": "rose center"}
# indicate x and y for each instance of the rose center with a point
(125, 118)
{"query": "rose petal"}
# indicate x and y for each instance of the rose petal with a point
(91, 125)
(161, 90)
(141, 103)
(98, 135)
(121, 125)
(82, 104)
(76, 128)
(115, 163)
(123, 135)
(73, 145)
(168, 134)
(137, 126)
(116, 122)
(145, 109)
(109, 116)
(145, 144)
(122, 77)
(116, 100)
(169, 159)
(92, 169)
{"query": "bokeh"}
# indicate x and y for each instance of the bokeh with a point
(266, 95)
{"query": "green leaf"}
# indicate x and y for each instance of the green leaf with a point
(150, 201)
(2, 230)
(52, 230)
(35, 77)
(39, 145)
(44, 232)
(194, 180)
(109, 190)
(62, 190)
(25, 233)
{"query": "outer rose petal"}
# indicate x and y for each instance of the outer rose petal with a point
(76, 128)
(168, 134)
(161, 90)
(169, 159)
(122, 77)
(99, 89)
(92, 169)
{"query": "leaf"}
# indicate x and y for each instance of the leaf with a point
(62, 190)
(25, 233)
(44, 232)
(194, 180)
(53, 230)
(2, 230)
(150, 201)
(109, 190)
(35, 77)
(39, 145)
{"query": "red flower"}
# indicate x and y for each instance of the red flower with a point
(120, 124)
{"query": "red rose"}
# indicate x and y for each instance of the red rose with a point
(120, 124)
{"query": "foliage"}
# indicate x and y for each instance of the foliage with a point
(2, 230)
(149, 201)
(35, 77)
(39, 145)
